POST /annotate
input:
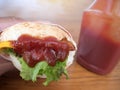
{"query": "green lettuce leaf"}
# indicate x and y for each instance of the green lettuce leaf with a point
(52, 73)
(42, 68)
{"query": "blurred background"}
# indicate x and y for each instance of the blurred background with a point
(67, 13)
(44, 9)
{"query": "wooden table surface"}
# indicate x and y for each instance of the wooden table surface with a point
(80, 78)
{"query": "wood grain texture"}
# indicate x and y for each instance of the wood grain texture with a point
(80, 78)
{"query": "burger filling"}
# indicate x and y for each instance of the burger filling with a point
(45, 56)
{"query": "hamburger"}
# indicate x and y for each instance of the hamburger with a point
(38, 49)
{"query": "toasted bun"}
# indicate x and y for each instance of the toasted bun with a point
(39, 30)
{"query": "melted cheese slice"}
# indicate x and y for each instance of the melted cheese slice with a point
(6, 44)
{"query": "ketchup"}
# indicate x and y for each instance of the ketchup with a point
(99, 41)
(34, 50)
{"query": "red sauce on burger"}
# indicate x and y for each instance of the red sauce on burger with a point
(34, 50)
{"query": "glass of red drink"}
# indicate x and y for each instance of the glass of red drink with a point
(99, 40)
